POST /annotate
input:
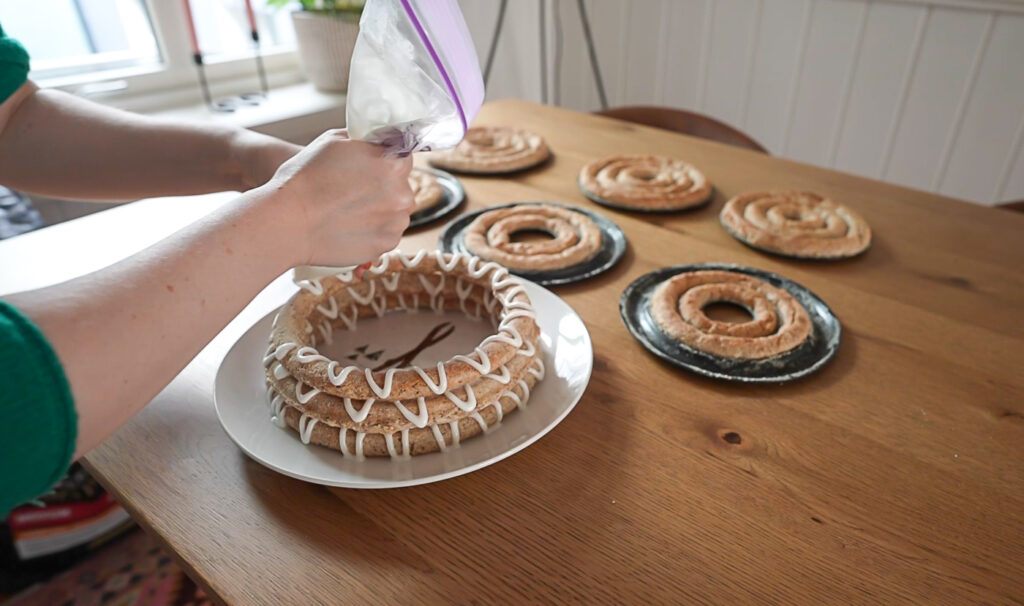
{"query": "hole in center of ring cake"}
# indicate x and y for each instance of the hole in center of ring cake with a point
(402, 338)
(724, 311)
(530, 235)
(793, 213)
(644, 174)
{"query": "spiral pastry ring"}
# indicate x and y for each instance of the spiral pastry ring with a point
(494, 149)
(426, 191)
(645, 183)
(797, 224)
(779, 324)
(575, 237)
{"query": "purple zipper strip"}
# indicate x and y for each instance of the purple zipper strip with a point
(437, 61)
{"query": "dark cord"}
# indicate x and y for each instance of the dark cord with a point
(543, 52)
(494, 41)
(593, 54)
(557, 84)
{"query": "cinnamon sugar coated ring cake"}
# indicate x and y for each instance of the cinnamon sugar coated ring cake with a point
(426, 191)
(493, 149)
(779, 324)
(575, 238)
(795, 223)
(645, 183)
(403, 410)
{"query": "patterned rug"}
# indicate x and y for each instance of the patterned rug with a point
(131, 571)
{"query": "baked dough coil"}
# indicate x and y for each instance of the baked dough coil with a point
(646, 182)
(796, 223)
(398, 281)
(779, 324)
(426, 191)
(494, 149)
(575, 237)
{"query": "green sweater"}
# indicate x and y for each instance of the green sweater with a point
(13, 66)
(39, 424)
(37, 435)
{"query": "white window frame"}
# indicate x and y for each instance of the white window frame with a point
(174, 82)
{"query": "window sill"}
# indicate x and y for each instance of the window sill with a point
(296, 112)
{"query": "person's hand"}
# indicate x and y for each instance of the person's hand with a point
(341, 202)
(258, 156)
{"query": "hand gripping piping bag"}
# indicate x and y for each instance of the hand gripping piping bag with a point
(414, 82)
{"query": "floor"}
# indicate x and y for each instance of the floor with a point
(130, 571)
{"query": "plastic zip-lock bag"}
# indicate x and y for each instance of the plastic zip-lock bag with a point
(415, 82)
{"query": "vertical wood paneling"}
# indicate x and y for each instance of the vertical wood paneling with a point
(920, 94)
(1011, 179)
(947, 52)
(682, 66)
(965, 99)
(1013, 187)
(755, 35)
(844, 97)
(775, 60)
(641, 59)
(705, 54)
(985, 138)
(608, 23)
(577, 86)
(728, 56)
(884, 59)
(798, 70)
(479, 16)
(834, 30)
(516, 71)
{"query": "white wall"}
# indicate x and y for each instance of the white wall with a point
(925, 93)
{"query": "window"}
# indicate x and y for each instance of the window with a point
(223, 28)
(67, 37)
(132, 52)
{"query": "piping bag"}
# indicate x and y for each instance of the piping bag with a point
(414, 82)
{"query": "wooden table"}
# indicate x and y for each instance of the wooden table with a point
(893, 475)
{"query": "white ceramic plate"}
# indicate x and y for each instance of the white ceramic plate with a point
(241, 403)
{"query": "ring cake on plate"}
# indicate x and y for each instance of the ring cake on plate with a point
(426, 191)
(494, 150)
(403, 410)
(796, 224)
(575, 238)
(647, 183)
(779, 323)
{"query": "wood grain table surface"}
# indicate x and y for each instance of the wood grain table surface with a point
(893, 475)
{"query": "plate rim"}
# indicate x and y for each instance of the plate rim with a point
(389, 484)
(630, 292)
(446, 241)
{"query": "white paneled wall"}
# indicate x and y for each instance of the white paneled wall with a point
(925, 93)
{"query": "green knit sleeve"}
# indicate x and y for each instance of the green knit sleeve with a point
(13, 66)
(38, 424)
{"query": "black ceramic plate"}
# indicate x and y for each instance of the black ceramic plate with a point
(613, 246)
(452, 197)
(776, 253)
(820, 347)
(654, 211)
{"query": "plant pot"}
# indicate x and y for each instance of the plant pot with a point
(325, 47)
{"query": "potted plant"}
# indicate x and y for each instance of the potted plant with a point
(325, 31)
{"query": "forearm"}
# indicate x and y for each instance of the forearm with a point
(124, 332)
(58, 145)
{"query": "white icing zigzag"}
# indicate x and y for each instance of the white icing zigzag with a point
(306, 422)
(475, 267)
